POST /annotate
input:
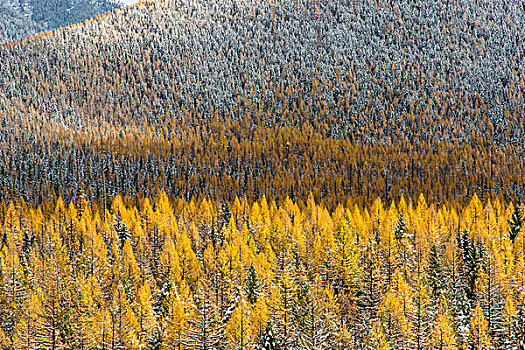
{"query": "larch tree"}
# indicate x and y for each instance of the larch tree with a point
(442, 334)
(13, 290)
(283, 296)
(240, 332)
(204, 330)
(146, 318)
(371, 291)
(124, 325)
(178, 307)
(312, 333)
(478, 334)
(26, 330)
(377, 339)
(54, 324)
(396, 311)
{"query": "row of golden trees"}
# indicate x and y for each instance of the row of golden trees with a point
(173, 274)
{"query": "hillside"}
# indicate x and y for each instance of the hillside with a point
(263, 175)
(346, 99)
(24, 18)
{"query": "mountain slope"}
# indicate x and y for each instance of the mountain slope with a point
(222, 98)
(13, 23)
(24, 18)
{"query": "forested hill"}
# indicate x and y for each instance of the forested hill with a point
(346, 99)
(23, 18)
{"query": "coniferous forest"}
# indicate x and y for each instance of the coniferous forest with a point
(23, 18)
(263, 174)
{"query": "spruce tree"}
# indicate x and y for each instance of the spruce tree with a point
(515, 223)
(268, 340)
(403, 241)
(252, 285)
(437, 276)
(121, 229)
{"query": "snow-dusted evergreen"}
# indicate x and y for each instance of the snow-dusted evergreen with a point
(23, 18)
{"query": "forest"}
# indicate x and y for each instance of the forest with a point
(21, 19)
(171, 274)
(264, 174)
(347, 99)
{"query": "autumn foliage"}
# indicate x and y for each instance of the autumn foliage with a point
(172, 274)
(219, 99)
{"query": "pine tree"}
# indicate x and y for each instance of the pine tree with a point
(472, 251)
(121, 228)
(404, 243)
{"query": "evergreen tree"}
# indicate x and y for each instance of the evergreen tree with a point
(252, 285)
(268, 340)
(436, 273)
(121, 228)
(404, 244)
(472, 251)
(515, 223)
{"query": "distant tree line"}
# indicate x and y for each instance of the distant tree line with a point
(346, 99)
